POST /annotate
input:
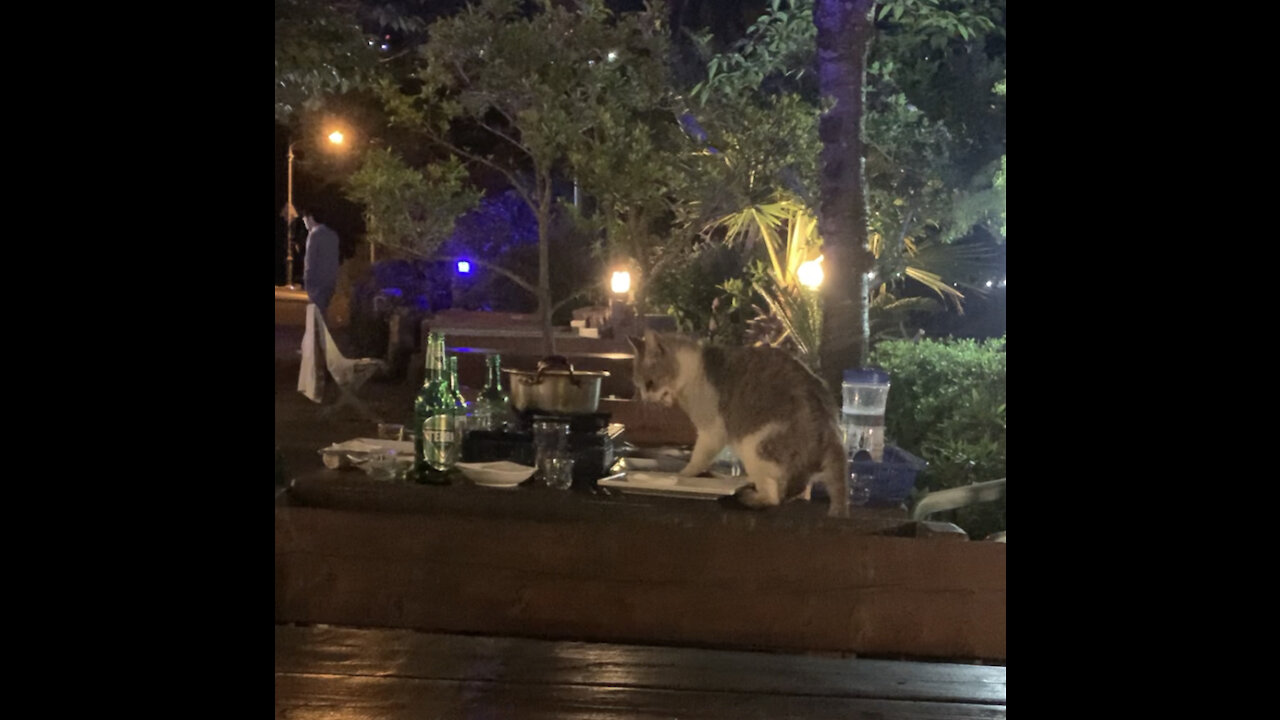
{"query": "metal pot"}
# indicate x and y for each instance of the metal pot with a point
(555, 388)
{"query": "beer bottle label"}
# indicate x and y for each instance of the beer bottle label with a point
(439, 441)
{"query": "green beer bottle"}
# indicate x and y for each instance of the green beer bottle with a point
(455, 388)
(435, 437)
(491, 406)
(461, 409)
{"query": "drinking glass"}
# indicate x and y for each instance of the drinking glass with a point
(557, 471)
(549, 437)
(859, 489)
(390, 431)
(383, 464)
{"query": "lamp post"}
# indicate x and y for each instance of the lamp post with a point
(620, 316)
(291, 213)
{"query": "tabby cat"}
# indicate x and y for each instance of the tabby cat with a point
(776, 415)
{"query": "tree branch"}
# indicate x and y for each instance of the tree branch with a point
(515, 182)
(580, 291)
(389, 58)
(530, 287)
(906, 224)
(525, 284)
(458, 66)
(512, 141)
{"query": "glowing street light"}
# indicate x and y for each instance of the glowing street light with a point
(620, 283)
(810, 273)
(291, 213)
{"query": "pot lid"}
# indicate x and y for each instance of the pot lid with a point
(557, 372)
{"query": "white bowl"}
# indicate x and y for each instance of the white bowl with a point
(503, 473)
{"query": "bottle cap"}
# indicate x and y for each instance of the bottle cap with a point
(866, 376)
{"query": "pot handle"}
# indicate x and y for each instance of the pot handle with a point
(552, 362)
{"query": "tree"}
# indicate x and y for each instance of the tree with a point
(927, 175)
(637, 175)
(599, 106)
(525, 96)
(407, 208)
(923, 184)
(843, 39)
(321, 48)
(934, 138)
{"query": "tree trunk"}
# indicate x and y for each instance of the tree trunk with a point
(844, 34)
(544, 268)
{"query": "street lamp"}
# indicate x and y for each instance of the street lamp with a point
(620, 316)
(620, 283)
(810, 273)
(291, 213)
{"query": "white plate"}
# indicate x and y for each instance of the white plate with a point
(673, 485)
(661, 453)
(500, 474)
(659, 464)
(653, 479)
(355, 452)
(361, 446)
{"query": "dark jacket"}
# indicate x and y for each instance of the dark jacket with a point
(320, 268)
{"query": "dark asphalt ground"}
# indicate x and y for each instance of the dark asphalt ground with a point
(302, 427)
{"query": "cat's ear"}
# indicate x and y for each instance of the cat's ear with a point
(637, 344)
(653, 342)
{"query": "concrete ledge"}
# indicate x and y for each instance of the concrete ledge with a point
(757, 586)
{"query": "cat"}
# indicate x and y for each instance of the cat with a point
(776, 415)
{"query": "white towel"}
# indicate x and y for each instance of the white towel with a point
(311, 375)
(347, 372)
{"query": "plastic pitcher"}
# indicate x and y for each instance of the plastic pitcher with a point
(865, 392)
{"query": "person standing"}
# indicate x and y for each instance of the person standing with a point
(319, 280)
(320, 262)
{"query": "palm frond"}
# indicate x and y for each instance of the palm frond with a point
(934, 282)
(912, 304)
(962, 262)
(803, 242)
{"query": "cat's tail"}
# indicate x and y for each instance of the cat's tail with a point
(835, 476)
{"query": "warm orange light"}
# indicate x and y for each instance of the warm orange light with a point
(335, 137)
(810, 273)
(620, 282)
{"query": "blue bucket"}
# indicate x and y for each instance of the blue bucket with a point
(889, 482)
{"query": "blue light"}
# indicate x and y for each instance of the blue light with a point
(464, 267)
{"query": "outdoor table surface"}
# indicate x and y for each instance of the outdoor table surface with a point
(352, 490)
(340, 672)
(603, 355)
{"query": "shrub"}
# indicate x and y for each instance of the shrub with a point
(689, 289)
(947, 405)
(379, 289)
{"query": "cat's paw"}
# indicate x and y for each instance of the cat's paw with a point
(748, 497)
